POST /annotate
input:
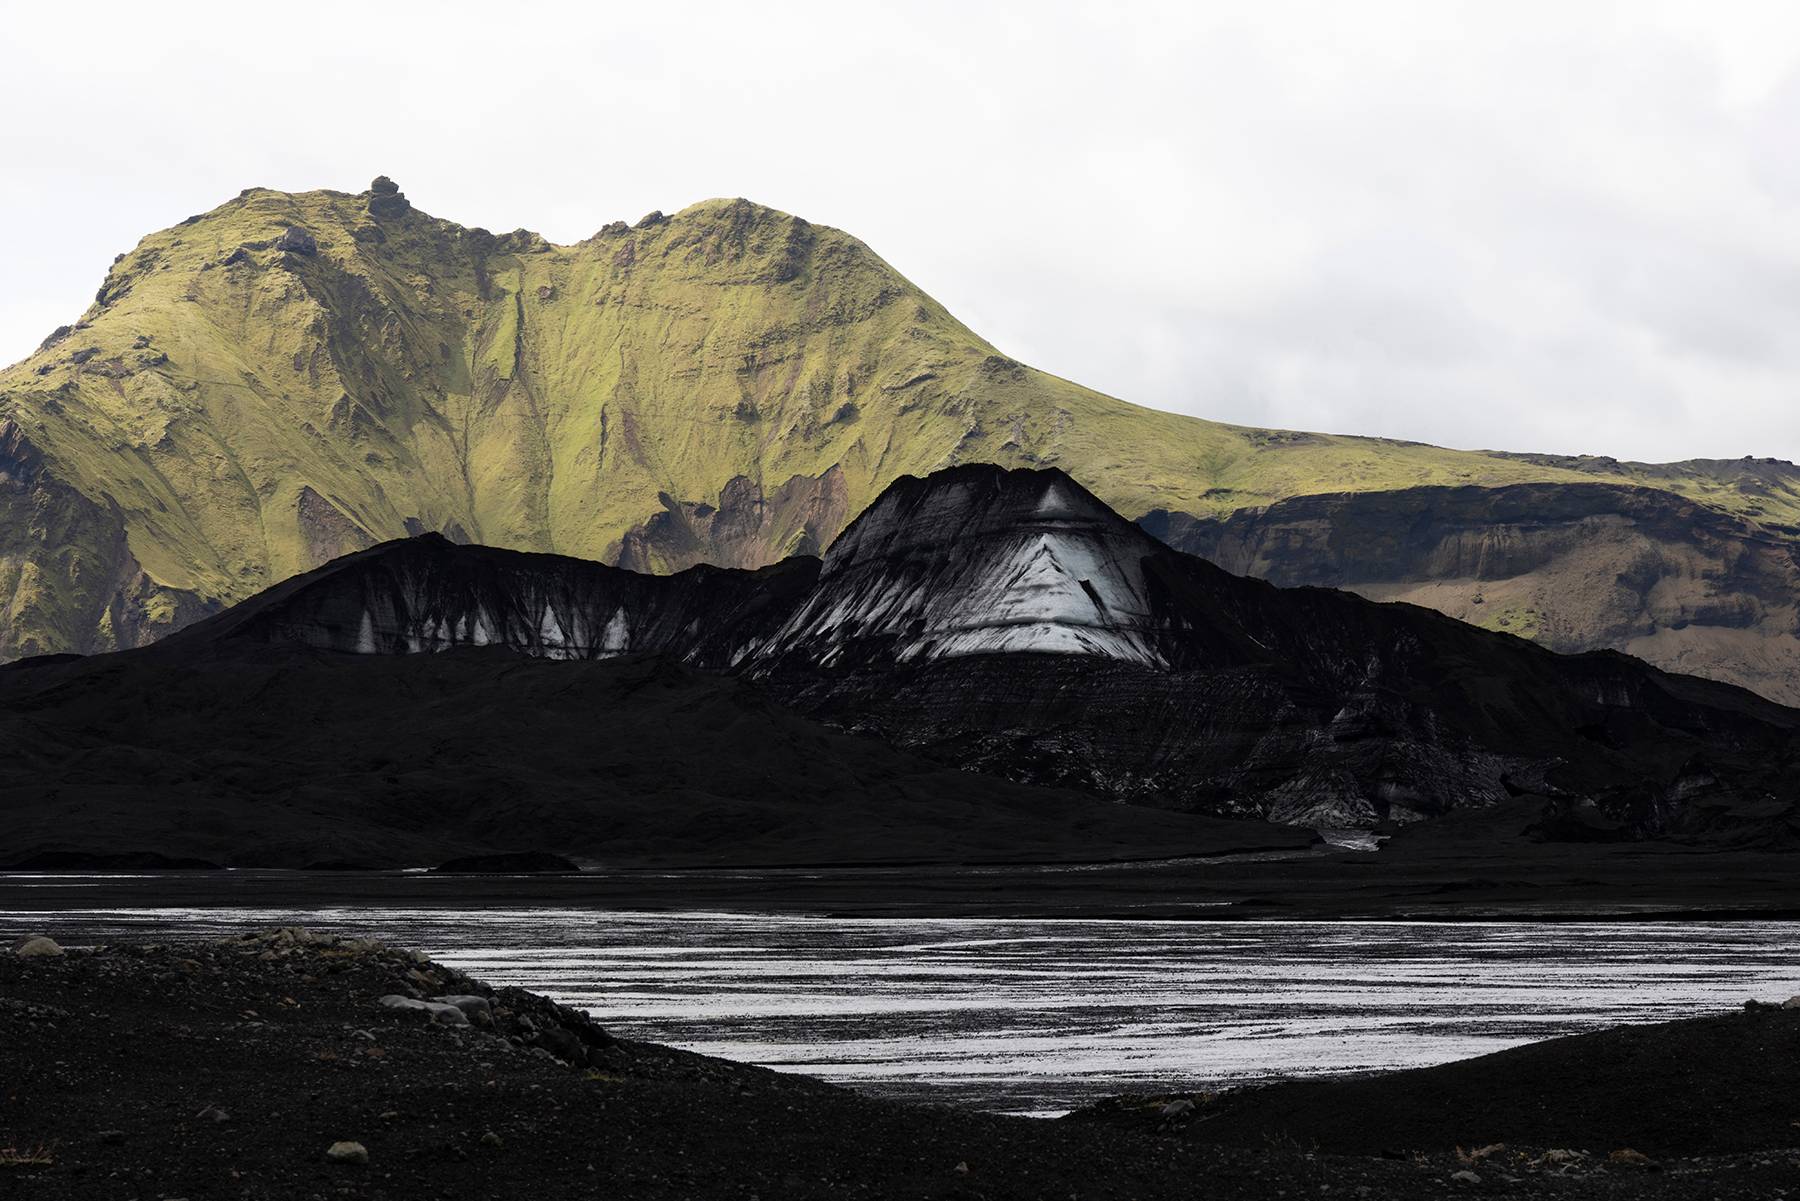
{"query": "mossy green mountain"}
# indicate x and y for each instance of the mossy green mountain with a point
(292, 376)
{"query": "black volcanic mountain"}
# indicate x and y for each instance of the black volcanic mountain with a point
(1001, 621)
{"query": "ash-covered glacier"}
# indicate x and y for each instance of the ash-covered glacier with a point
(1010, 623)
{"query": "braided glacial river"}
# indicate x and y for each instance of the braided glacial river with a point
(1039, 1016)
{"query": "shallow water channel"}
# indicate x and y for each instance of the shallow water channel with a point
(1039, 1016)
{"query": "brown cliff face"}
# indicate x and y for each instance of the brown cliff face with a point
(747, 528)
(1574, 568)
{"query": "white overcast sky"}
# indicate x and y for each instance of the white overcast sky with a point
(1566, 226)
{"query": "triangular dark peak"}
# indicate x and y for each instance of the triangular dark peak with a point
(971, 501)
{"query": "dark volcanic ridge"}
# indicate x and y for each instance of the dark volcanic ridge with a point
(979, 620)
(286, 1063)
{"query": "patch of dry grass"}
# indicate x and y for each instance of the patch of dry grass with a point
(14, 1156)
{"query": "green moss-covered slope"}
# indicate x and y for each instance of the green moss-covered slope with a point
(289, 377)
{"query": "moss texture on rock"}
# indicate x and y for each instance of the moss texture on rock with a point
(291, 376)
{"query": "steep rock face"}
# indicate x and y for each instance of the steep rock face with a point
(1573, 568)
(68, 579)
(1008, 622)
(291, 376)
(1762, 490)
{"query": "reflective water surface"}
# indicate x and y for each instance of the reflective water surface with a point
(1041, 1016)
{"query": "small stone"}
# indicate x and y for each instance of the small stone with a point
(562, 1044)
(212, 1113)
(1178, 1108)
(111, 1136)
(447, 1015)
(39, 947)
(490, 1139)
(1791, 1003)
(1465, 1177)
(1628, 1158)
(961, 1169)
(475, 1008)
(347, 1153)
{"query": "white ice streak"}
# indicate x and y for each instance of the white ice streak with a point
(1040, 591)
(616, 638)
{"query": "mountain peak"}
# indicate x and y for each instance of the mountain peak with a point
(971, 501)
(975, 560)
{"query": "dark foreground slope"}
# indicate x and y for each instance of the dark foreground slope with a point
(1709, 1086)
(229, 1069)
(293, 757)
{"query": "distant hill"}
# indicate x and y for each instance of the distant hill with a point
(293, 376)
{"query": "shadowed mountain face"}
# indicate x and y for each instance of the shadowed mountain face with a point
(1010, 623)
(293, 377)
